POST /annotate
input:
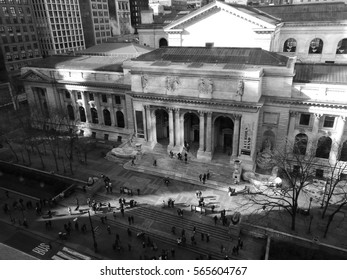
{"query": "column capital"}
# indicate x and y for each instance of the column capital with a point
(170, 109)
(293, 113)
(147, 107)
(201, 113)
(318, 115)
(343, 118)
(237, 116)
(209, 114)
(177, 110)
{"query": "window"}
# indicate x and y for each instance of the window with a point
(120, 119)
(316, 46)
(91, 97)
(117, 99)
(67, 94)
(106, 137)
(79, 95)
(304, 119)
(104, 98)
(323, 147)
(71, 112)
(343, 153)
(342, 47)
(329, 122)
(107, 117)
(94, 114)
(82, 114)
(319, 173)
(300, 144)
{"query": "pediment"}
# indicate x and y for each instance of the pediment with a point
(35, 77)
(259, 19)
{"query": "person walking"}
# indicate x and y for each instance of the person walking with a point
(208, 238)
(155, 162)
(138, 191)
(133, 162)
(204, 178)
(215, 218)
(200, 177)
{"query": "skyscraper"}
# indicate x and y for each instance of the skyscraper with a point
(96, 21)
(18, 42)
(59, 26)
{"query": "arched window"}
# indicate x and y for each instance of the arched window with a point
(94, 115)
(316, 46)
(343, 155)
(163, 43)
(323, 147)
(70, 112)
(289, 45)
(107, 117)
(120, 119)
(342, 47)
(300, 144)
(82, 114)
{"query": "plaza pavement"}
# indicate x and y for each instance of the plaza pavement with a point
(151, 217)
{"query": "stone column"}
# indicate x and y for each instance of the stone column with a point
(236, 135)
(149, 123)
(110, 102)
(311, 146)
(182, 129)
(98, 108)
(86, 107)
(177, 127)
(208, 133)
(154, 127)
(337, 145)
(291, 128)
(202, 131)
(171, 127)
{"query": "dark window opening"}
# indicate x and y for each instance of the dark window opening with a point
(319, 173)
(82, 114)
(329, 122)
(94, 114)
(304, 119)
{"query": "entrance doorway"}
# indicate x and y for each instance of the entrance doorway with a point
(191, 131)
(162, 126)
(223, 138)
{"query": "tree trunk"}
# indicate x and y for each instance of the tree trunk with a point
(42, 163)
(12, 150)
(293, 220)
(328, 225)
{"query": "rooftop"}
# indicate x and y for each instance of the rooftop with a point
(249, 56)
(116, 49)
(308, 12)
(81, 62)
(320, 73)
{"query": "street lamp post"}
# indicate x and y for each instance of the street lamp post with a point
(309, 206)
(93, 234)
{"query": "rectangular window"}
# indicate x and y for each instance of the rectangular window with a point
(117, 99)
(93, 134)
(104, 98)
(319, 173)
(329, 122)
(79, 95)
(91, 97)
(304, 119)
(106, 137)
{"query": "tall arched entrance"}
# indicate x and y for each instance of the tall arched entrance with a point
(191, 131)
(163, 43)
(162, 126)
(223, 138)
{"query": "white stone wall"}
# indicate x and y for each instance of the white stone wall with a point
(237, 32)
(151, 37)
(330, 33)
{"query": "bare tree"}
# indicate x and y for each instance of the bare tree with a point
(296, 167)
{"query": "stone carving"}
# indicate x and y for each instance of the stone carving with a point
(144, 82)
(205, 86)
(172, 83)
(240, 88)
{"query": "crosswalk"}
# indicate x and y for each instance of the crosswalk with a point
(69, 254)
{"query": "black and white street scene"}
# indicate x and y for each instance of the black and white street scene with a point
(173, 130)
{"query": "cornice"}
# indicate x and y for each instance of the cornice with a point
(316, 23)
(197, 101)
(298, 102)
(96, 85)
